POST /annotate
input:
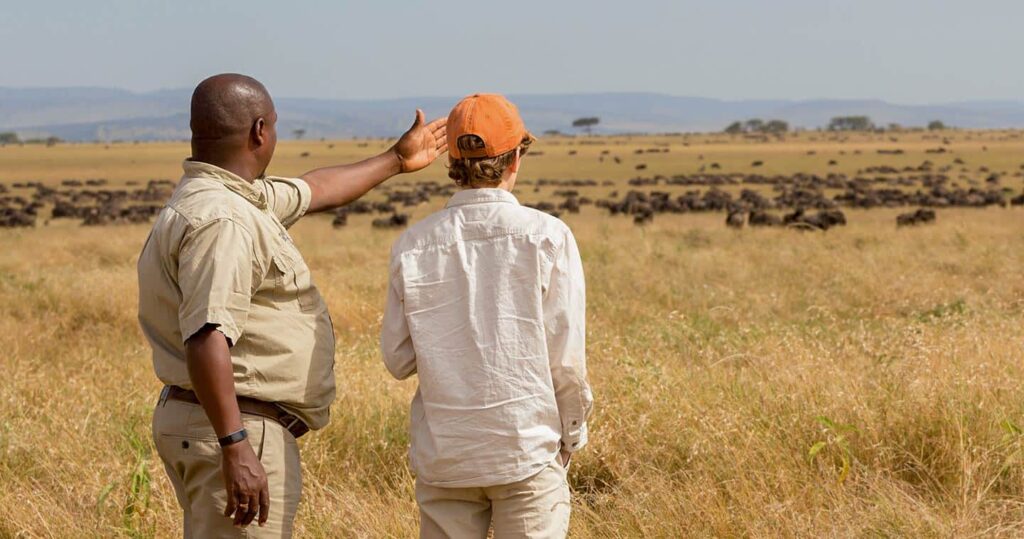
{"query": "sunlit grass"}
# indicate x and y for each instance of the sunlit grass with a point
(762, 383)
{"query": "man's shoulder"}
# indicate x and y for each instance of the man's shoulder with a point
(201, 201)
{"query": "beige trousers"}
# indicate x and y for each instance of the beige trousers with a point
(537, 507)
(188, 446)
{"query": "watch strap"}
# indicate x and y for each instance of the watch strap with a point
(233, 438)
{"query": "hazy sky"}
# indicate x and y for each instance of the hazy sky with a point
(907, 51)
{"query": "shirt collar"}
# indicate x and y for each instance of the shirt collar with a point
(234, 182)
(481, 196)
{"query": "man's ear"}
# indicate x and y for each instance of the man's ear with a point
(259, 133)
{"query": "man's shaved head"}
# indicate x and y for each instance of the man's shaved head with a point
(234, 124)
(226, 105)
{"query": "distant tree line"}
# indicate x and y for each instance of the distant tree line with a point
(757, 125)
(10, 137)
(864, 123)
(838, 123)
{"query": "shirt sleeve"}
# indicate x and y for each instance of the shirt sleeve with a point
(395, 340)
(215, 274)
(565, 317)
(287, 198)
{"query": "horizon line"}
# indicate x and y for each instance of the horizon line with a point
(552, 94)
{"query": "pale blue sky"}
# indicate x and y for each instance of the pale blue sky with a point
(907, 51)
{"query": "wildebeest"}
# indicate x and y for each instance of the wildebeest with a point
(763, 218)
(736, 219)
(919, 217)
(644, 217)
(16, 218)
(397, 220)
(340, 218)
(823, 220)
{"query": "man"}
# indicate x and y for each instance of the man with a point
(239, 333)
(486, 304)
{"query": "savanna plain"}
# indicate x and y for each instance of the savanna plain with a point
(864, 381)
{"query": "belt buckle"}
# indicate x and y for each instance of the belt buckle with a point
(164, 393)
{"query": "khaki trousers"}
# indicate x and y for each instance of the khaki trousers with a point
(537, 507)
(187, 444)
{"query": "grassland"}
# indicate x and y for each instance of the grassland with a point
(720, 359)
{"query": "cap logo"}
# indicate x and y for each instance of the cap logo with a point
(470, 143)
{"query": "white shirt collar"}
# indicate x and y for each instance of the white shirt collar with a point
(481, 196)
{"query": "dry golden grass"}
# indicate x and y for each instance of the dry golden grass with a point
(719, 359)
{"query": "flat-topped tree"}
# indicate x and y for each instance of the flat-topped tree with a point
(851, 123)
(586, 124)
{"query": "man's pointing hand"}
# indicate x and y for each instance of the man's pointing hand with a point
(422, 143)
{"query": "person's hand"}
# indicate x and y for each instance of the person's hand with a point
(421, 144)
(246, 483)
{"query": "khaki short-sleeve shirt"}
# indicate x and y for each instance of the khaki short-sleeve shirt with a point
(219, 253)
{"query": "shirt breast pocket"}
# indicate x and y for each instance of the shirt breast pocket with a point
(293, 279)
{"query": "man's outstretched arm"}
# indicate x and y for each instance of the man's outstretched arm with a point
(335, 186)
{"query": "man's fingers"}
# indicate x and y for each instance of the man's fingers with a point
(245, 505)
(242, 507)
(254, 509)
(240, 511)
(442, 149)
(439, 123)
(264, 505)
(232, 503)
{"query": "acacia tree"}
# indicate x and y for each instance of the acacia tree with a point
(299, 133)
(586, 124)
(754, 125)
(851, 123)
(9, 138)
(757, 125)
(776, 127)
(936, 125)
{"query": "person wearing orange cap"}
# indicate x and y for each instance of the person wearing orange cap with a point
(487, 306)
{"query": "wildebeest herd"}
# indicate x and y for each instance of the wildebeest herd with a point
(800, 201)
(86, 200)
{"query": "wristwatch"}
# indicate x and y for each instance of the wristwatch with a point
(233, 438)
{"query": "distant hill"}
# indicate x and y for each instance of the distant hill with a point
(81, 114)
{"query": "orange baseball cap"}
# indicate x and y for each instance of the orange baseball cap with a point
(485, 125)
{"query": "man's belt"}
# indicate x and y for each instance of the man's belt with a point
(246, 405)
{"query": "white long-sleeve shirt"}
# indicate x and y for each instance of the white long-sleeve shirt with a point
(487, 305)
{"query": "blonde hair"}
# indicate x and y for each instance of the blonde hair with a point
(479, 172)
